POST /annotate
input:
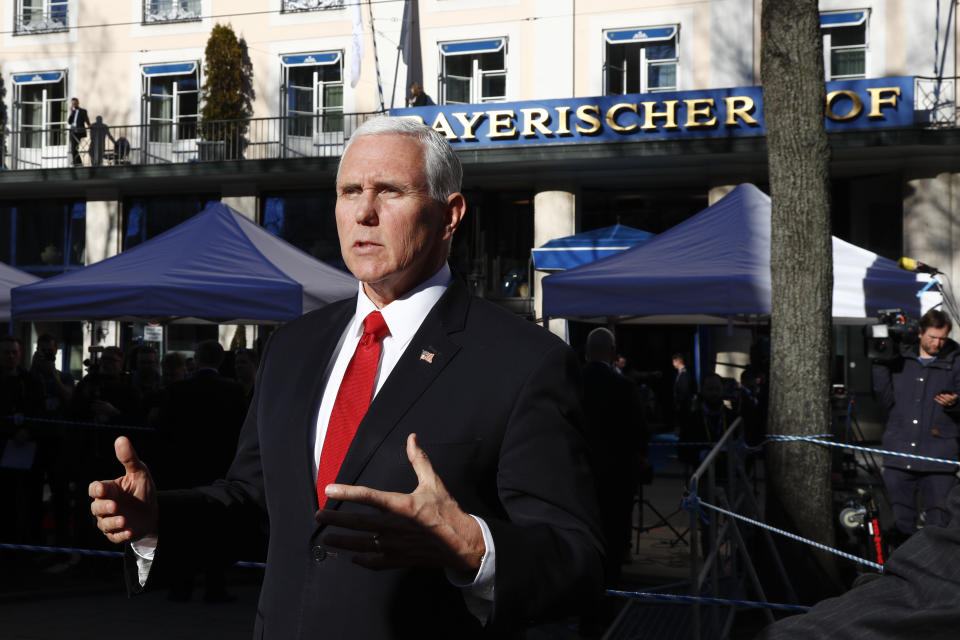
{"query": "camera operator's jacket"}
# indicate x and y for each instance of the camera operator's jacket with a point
(916, 423)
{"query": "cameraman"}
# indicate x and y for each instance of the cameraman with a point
(919, 392)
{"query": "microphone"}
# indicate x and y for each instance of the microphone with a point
(915, 265)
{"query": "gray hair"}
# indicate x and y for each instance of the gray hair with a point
(443, 168)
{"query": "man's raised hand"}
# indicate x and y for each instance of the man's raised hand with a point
(423, 528)
(126, 508)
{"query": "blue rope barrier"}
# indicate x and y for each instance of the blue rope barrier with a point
(680, 599)
(820, 440)
(661, 443)
(82, 552)
(97, 552)
(78, 423)
(691, 503)
(792, 536)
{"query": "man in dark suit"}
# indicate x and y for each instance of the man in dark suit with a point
(684, 390)
(200, 420)
(617, 437)
(78, 122)
(199, 424)
(464, 504)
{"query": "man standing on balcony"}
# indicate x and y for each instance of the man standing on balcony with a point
(78, 129)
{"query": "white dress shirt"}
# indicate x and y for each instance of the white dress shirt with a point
(403, 317)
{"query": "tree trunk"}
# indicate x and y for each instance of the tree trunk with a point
(801, 266)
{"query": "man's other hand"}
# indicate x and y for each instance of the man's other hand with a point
(126, 508)
(425, 528)
(946, 399)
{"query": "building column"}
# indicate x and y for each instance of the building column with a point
(931, 223)
(717, 193)
(554, 216)
(102, 240)
(246, 204)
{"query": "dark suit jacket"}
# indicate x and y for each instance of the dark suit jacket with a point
(918, 595)
(200, 421)
(79, 130)
(497, 410)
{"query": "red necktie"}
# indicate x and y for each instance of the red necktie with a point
(353, 399)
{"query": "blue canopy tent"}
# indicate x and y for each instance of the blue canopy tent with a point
(715, 268)
(218, 266)
(584, 248)
(10, 278)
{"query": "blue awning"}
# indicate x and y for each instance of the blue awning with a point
(472, 46)
(843, 19)
(310, 59)
(38, 78)
(573, 251)
(174, 69)
(653, 34)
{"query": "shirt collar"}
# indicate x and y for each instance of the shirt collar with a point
(405, 314)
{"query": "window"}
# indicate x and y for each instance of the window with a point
(290, 6)
(640, 60)
(147, 217)
(40, 104)
(473, 71)
(306, 220)
(41, 16)
(492, 247)
(171, 100)
(43, 237)
(170, 10)
(844, 44)
(312, 93)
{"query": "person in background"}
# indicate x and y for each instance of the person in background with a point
(919, 392)
(196, 439)
(78, 121)
(684, 391)
(245, 366)
(21, 471)
(173, 368)
(58, 441)
(417, 96)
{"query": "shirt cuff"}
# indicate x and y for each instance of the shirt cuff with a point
(144, 549)
(477, 589)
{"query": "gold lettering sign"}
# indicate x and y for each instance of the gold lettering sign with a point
(501, 123)
(739, 107)
(700, 107)
(469, 126)
(442, 125)
(589, 114)
(670, 113)
(878, 100)
(856, 110)
(612, 117)
(535, 118)
(563, 116)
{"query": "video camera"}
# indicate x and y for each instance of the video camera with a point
(882, 341)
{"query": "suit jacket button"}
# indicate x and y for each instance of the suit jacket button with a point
(319, 554)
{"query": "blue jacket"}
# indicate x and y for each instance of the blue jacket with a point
(916, 423)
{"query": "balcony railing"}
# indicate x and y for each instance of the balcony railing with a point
(157, 11)
(935, 102)
(47, 18)
(187, 141)
(292, 6)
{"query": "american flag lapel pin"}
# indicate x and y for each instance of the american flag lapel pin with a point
(427, 356)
